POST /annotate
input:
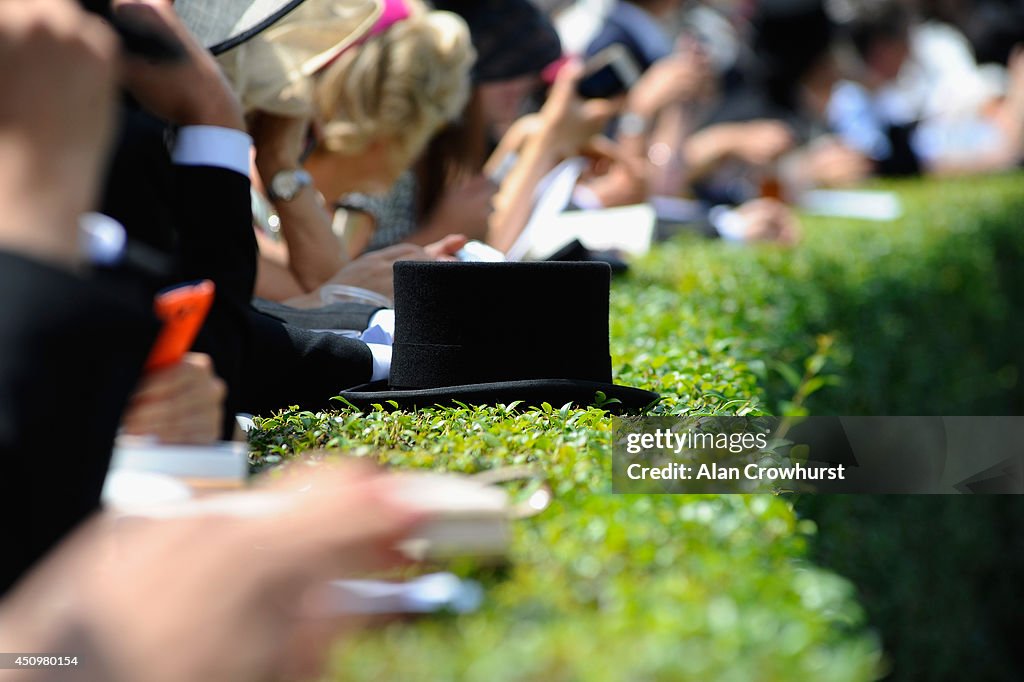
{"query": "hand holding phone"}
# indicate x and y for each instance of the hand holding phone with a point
(183, 310)
(610, 72)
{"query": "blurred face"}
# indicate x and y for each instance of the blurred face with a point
(819, 81)
(502, 101)
(887, 57)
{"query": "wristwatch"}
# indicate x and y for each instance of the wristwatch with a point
(632, 124)
(286, 184)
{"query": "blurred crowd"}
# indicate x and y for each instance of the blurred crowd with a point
(291, 153)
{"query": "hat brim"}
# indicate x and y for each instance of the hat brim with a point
(225, 31)
(531, 392)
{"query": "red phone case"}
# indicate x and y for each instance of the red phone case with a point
(183, 311)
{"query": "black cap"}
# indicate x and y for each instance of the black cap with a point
(512, 38)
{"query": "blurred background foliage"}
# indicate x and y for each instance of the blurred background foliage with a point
(923, 315)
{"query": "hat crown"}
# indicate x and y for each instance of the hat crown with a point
(465, 323)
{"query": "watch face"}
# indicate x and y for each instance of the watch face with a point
(286, 184)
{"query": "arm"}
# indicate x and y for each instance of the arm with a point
(314, 252)
(757, 143)
(231, 624)
(274, 280)
(70, 353)
(564, 126)
(208, 194)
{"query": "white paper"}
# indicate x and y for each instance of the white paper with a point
(627, 229)
(863, 204)
(552, 196)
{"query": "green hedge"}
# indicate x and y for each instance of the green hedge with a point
(919, 316)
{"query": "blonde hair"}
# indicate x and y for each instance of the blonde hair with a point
(404, 84)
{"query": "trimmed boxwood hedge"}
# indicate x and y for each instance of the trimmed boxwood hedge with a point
(922, 315)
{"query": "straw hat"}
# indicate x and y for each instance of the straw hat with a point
(228, 23)
(270, 49)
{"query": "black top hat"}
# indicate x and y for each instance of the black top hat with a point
(482, 333)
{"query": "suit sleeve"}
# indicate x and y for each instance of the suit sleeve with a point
(294, 366)
(71, 353)
(213, 217)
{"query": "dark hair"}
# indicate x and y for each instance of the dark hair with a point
(790, 38)
(453, 154)
(512, 37)
(885, 21)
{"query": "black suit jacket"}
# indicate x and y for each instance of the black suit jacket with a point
(202, 216)
(70, 355)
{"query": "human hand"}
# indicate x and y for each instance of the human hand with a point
(190, 91)
(182, 404)
(683, 76)
(830, 163)
(56, 121)
(769, 220)
(446, 247)
(615, 177)
(521, 130)
(567, 121)
(237, 594)
(760, 143)
(375, 270)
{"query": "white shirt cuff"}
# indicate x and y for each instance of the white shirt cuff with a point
(101, 238)
(381, 361)
(382, 326)
(225, 148)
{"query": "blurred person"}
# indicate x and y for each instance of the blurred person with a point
(191, 205)
(63, 333)
(991, 28)
(658, 156)
(640, 27)
(884, 111)
(118, 596)
(660, 111)
(565, 126)
(447, 191)
(363, 138)
(780, 107)
(185, 203)
(666, 101)
(116, 593)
